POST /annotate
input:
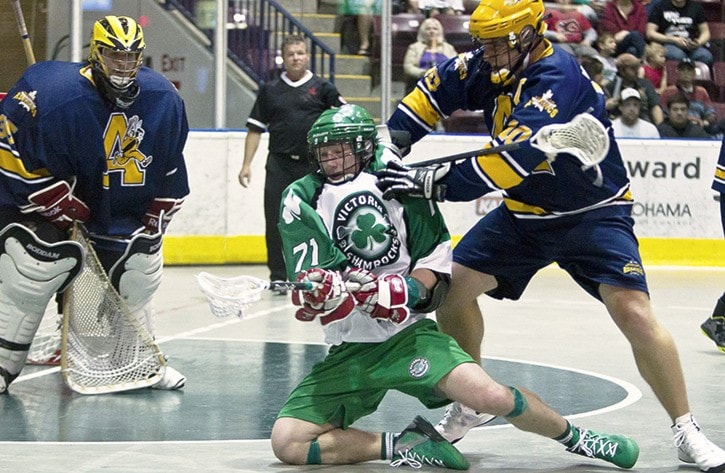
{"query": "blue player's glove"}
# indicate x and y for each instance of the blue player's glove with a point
(398, 179)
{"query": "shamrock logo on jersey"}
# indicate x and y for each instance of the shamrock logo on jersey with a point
(362, 230)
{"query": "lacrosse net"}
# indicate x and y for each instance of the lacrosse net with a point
(584, 137)
(105, 348)
(231, 296)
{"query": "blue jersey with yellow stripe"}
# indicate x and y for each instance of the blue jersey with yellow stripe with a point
(55, 125)
(552, 89)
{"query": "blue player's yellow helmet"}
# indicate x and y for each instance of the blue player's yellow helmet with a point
(510, 28)
(116, 54)
(342, 141)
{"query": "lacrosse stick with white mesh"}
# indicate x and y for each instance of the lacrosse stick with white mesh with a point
(584, 137)
(234, 296)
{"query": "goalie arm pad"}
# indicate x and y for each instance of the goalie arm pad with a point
(160, 213)
(58, 204)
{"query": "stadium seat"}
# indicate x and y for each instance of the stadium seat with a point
(463, 121)
(717, 40)
(714, 10)
(455, 29)
(404, 32)
(718, 76)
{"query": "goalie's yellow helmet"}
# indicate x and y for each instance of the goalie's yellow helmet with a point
(499, 18)
(116, 53)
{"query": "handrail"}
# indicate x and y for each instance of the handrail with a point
(256, 29)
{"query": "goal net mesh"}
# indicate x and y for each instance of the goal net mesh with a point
(105, 348)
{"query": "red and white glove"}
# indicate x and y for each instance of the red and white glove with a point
(160, 213)
(381, 297)
(329, 300)
(58, 204)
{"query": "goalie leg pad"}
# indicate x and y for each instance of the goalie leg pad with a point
(137, 275)
(31, 272)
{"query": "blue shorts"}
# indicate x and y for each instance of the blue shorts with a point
(595, 247)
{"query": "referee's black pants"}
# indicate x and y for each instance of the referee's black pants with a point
(281, 172)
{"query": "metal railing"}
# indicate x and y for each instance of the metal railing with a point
(255, 31)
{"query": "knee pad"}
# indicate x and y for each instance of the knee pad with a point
(137, 275)
(31, 272)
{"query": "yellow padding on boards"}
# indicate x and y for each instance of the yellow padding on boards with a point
(251, 249)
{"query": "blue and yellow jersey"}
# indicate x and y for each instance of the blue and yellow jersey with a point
(552, 89)
(718, 184)
(55, 125)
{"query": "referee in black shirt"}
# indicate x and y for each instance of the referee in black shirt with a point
(286, 107)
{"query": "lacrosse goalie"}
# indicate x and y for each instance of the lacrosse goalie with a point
(98, 142)
(553, 210)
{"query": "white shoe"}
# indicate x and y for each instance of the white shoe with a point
(694, 447)
(171, 380)
(459, 419)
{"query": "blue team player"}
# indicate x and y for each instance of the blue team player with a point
(714, 326)
(552, 210)
(98, 142)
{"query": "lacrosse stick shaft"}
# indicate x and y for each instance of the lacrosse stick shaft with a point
(23, 30)
(469, 154)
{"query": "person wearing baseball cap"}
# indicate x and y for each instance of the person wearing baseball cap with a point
(628, 124)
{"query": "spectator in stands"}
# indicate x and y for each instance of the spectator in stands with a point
(627, 76)
(606, 46)
(654, 69)
(677, 125)
(594, 69)
(589, 8)
(432, 8)
(681, 27)
(572, 31)
(628, 124)
(626, 20)
(701, 111)
(364, 10)
(429, 49)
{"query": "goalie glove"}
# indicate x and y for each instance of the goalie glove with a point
(58, 204)
(398, 179)
(160, 213)
(381, 297)
(329, 300)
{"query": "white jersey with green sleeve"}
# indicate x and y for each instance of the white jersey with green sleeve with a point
(350, 225)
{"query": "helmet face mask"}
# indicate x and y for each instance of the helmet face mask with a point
(116, 54)
(507, 30)
(343, 141)
(338, 162)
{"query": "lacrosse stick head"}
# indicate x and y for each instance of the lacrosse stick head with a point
(584, 137)
(231, 296)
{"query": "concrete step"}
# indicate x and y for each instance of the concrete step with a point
(299, 6)
(319, 22)
(353, 85)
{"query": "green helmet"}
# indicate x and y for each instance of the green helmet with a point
(348, 132)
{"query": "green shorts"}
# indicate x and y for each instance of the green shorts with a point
(353, 378)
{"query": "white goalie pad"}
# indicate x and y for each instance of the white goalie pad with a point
(137, 275)
(31, 272)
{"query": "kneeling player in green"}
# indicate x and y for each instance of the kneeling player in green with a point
(379, 267)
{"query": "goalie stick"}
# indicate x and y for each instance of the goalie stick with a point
(23, 30)
(584, 137)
